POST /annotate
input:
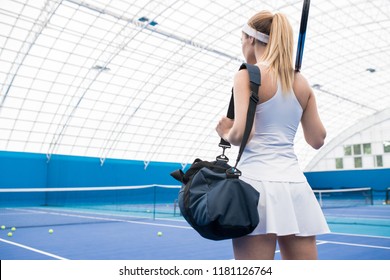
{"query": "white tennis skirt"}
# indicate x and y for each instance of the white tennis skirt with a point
(287, 208)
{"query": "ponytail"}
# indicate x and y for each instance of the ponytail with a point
(278, 53)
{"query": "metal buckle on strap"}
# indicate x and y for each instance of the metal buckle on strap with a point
(233, 172)
(222, 156)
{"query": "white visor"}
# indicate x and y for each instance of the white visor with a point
(254, 33)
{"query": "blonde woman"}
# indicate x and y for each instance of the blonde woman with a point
(289, 212)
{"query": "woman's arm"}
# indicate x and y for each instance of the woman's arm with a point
(313, 129)
(233, 131)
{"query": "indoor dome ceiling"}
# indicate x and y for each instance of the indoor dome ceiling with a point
(148, 80)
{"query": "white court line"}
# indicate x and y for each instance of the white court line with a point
(32, 249)
(318, 243)
(321, 242)
(106, 219)
(354, 244)
(79, 216)
(188, 227)
(114, 215)
(360, 235)
(153, 224)
(356, 217)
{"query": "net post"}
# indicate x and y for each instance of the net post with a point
(174, 207)
(372, 196)
(154, 202)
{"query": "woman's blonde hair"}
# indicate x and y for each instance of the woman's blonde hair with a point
(278, 53)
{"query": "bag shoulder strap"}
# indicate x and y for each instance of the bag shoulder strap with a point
(255, 83)
(254, 75)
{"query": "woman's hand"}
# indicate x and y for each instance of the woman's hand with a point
(223, 127)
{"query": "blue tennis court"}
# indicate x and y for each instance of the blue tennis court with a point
(100, 101)
(358, 233)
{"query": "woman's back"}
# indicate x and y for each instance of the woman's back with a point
(270, 153)
(313, 128)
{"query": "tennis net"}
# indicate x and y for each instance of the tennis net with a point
(348, 197)
(148, 200)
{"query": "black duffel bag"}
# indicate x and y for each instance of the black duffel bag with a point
(212, 199)
(217, 204)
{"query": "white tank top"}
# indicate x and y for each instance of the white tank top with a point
(269, 155)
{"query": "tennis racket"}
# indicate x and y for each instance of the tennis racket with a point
(302, 34)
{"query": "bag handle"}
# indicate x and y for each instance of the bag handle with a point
(255, 83)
